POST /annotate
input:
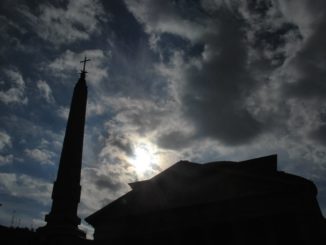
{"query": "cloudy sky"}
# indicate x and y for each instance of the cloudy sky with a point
(199, 80)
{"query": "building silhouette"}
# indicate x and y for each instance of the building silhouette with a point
(247, 202)
(17, 235)
(62, 221)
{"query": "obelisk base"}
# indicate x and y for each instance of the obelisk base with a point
(60, 234)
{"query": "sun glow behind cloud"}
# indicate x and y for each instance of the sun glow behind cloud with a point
(144, 158)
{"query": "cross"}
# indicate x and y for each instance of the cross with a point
(84, 61)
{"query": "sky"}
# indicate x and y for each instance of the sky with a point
(168, 80)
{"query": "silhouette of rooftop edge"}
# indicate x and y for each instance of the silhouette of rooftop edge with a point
(262, 164)
(186, 184)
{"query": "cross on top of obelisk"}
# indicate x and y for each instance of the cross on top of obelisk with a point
(84, 65)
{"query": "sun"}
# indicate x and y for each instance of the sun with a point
(144, 158)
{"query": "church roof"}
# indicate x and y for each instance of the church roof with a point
(186, 184)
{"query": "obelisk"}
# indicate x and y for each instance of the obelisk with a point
(63, 219)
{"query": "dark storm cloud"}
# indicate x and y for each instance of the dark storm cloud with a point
(214, 94)
(320, 134)
(233, 43)
(310, 70)
(108, 183)
(105, 181)
(174, 140)
(309, 63)
(122, 142)
(100, 185)
(269, 33)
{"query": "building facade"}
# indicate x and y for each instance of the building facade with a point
(248, 202)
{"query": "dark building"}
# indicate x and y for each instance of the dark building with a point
(248, 202)
(62, 221)
(17, 235)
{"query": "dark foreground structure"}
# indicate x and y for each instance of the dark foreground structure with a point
(62, 221)
(16, 235)
(247, 202)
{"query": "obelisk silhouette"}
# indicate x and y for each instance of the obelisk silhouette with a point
(63, 219)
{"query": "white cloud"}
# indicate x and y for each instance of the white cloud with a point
(63, 112)
(40, 155)
(45, 90)
(78, 20)
(16, 92)
(38, 222)
(69, 60)
(22, 185)
(7, 159)
(88, 229)
(5, 140)
(96, 107)
(164, 17)
(299, 12)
